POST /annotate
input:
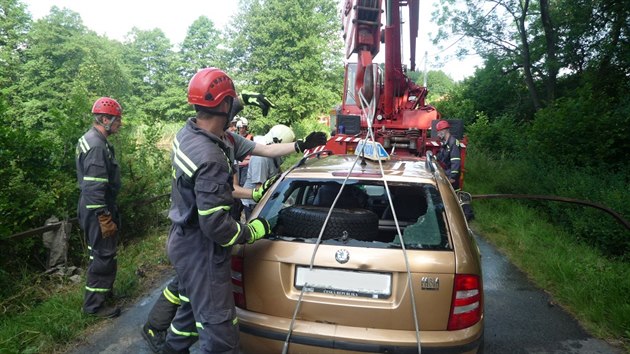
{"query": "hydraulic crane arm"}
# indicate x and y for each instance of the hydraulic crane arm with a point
(362, 34)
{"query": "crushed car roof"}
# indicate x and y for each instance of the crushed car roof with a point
(338, 166)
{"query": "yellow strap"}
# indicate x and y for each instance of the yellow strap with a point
(238, 231)
(215, 209)
(95, 206)
(171, 297)
(182, 333)
(95, 179)
(97, 290)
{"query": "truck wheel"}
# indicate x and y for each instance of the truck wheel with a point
(307, 222)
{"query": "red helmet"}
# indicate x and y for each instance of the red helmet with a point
(442, 125)
(209, 87)
(106, 105)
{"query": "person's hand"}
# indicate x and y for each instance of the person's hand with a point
(260, 191)
(257, 99)
(108, 226)
(258, 228)
(312, 140)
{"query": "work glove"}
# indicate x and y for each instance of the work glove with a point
(260, 191)
(312, 140)
(257, 99)
(258, 228)
(108, 226)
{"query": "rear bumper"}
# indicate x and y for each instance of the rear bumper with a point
(267, 334)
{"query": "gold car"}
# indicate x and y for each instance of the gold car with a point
(353, 286)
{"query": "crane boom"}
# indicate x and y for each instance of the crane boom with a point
(403, 119)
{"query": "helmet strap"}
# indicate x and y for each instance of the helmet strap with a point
(107, 126)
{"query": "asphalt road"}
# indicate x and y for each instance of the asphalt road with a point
(520, 318)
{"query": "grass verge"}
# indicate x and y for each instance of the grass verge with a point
(593, 288)
(51, 321)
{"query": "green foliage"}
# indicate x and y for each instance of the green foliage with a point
(42, 314)
(501, 137)
(14, 24)
(513, 174)
(553, 242)
(438, 83)
(155, 75)
(145, 167)
(291, 52)
(593, 33)
(492, 91)
(585, 129)
(201, 48)
(592, 287)
(454, 105)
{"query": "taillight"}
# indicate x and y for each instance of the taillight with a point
(467, 305)
(237, 281)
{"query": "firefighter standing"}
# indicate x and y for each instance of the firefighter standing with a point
(202, 231)
(449, 154)
(165, 307)
(98, 175)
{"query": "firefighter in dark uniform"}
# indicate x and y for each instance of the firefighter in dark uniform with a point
(449, 154)
(165, 307)
(202, 231)
(99, 181)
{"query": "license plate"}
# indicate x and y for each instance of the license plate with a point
(344, 282)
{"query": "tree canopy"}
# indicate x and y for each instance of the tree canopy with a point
(290, 51)
(53, 69)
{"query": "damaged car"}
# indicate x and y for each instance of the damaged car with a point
(366, 256)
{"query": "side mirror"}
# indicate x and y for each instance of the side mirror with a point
(463, 197)
(464, 201)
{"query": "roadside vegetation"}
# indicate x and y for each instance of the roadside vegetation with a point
(44, 315)
(580, 278)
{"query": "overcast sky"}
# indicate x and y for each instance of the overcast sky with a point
(115, 18)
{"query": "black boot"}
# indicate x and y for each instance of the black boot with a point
(166, 349)
(106, 312)
(154, 338)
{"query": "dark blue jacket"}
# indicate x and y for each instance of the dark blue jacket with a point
(201, 196)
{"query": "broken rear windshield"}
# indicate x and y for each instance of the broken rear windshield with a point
(363, 214)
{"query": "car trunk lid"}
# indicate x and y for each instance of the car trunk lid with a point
(344, 281)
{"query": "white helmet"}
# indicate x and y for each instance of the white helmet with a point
(260, 139)
(241, 122)
(280, 133)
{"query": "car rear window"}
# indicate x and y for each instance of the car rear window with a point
(362, 216)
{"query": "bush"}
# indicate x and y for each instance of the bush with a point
(584, 130)
(501, 136)
(145, 168)
(505, 174)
